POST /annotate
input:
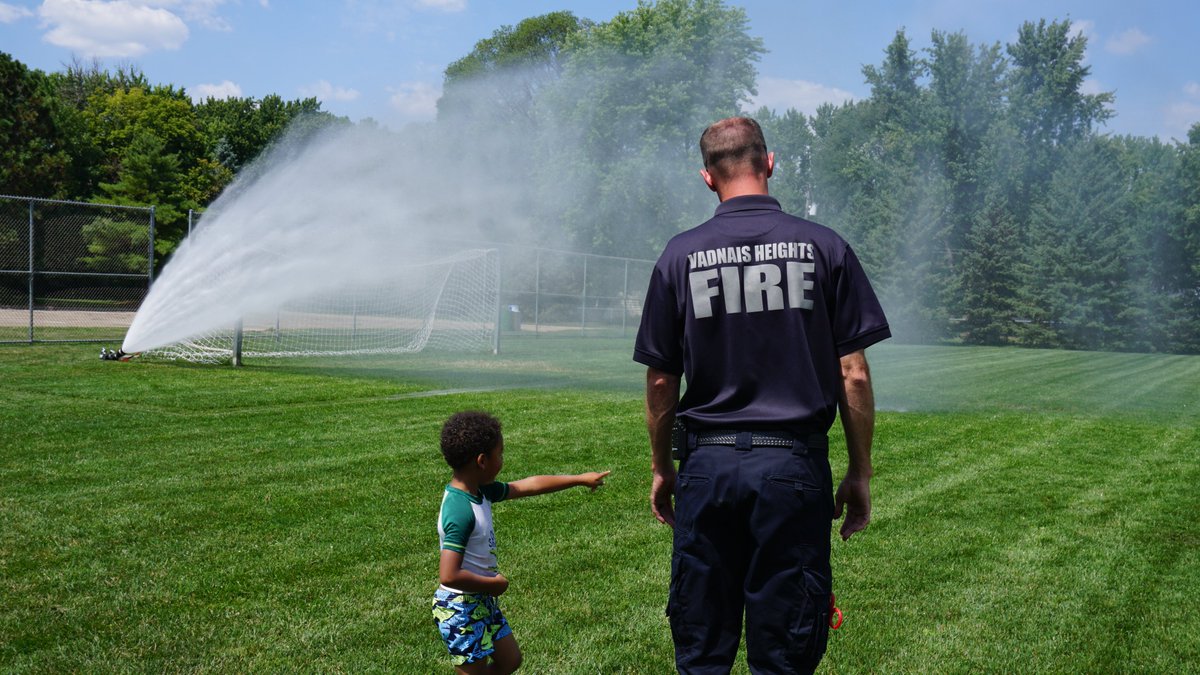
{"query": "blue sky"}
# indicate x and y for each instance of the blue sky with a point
(384, 59)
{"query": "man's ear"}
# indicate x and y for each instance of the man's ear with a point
(770, 164)
(708, 179)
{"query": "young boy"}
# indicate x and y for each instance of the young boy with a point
(465, 606)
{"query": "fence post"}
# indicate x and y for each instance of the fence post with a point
(354, 322)
(625, 298)
(499, 306)
(236, 358)
(31, 271)
(150, 252)
(583, 300)
(537, 292)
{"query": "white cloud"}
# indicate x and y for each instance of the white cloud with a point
(325, 91)
(1092, 87)
(780, 94)
(10, 13)
(1085, 28)
(1181, 115)
(122, 29)
(1128, 42)
(443, 5)
(226, 89)
(203, 12)
(415, 101)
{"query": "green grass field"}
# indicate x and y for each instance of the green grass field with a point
(1035, 511)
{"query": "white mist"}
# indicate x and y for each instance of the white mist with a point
(347, 207)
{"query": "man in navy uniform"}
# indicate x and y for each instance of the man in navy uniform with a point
(767, 316)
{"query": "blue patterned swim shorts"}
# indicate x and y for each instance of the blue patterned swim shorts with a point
(470, 624)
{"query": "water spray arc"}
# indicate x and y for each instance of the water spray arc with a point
(328, 245)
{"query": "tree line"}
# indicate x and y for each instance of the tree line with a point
(975, 181)
(91, 134)
(990, 209)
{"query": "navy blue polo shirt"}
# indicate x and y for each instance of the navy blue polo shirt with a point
(754, 308)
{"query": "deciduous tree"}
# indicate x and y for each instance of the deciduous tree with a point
(502, 76)
(33, 161)
(634, 97)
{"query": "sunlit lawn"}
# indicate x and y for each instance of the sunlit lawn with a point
(1035, 511)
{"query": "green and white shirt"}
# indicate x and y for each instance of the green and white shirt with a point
(465, 526)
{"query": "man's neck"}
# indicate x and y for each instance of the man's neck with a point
(742, 188)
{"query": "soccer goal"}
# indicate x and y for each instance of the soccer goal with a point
(448, 304)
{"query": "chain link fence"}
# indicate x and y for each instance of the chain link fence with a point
(550, 293)
(71, 271)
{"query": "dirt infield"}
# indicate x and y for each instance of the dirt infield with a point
(65, 318)
(121, 320)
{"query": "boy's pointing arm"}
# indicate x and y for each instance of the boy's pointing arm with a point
(540, 485)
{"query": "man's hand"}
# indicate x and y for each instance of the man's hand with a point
(854, 494)
(662, 490)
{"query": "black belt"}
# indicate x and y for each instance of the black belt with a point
(748, 439)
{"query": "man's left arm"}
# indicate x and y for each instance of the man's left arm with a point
(857, 410)
(662, 398)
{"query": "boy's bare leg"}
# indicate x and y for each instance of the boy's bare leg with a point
(505, 659)
(478, 668)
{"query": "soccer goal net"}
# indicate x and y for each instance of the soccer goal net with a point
(446, 304)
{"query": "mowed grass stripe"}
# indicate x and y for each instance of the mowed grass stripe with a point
(234, 523)
(1158, 384)
(990, 379)
(1092, 554)
(934, 532)
(930, 459)
(1034, 559)
(228, 536)
(1031, 539)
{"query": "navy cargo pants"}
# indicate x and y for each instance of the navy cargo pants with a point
(752, 529)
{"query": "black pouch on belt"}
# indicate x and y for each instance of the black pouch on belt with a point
(679, 439)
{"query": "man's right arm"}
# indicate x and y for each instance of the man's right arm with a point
(857, 408)
(662, 397)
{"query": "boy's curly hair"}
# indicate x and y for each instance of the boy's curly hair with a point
(468, 434)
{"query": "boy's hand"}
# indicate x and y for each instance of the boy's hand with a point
(501, 584)
(594, 479)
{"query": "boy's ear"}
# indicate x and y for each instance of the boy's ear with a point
(480, 459)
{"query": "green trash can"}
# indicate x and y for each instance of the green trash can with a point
(510, 320)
